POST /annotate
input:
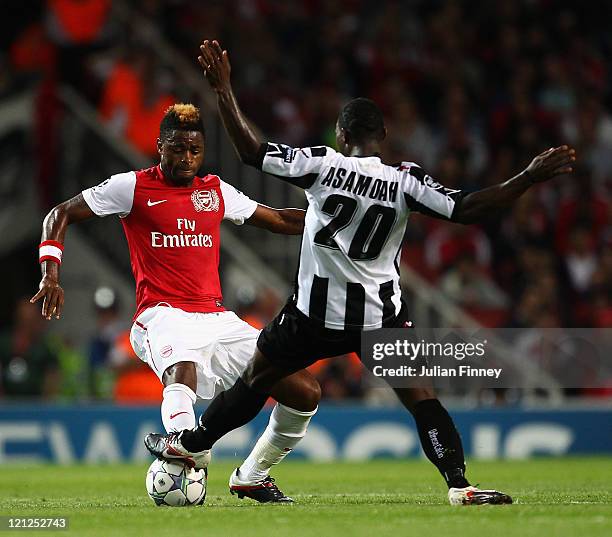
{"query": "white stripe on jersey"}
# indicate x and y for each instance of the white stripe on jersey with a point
(358, 208)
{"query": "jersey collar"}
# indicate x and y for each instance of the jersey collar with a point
(160, 173)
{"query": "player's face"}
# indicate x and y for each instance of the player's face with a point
(182, 154)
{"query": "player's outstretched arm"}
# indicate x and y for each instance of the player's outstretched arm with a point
(285, 221)
(481, 204)
(53, 232)
(217, 69)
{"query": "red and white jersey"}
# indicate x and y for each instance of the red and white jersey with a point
(172, 233)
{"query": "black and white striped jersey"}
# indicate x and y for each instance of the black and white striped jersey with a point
(348, 276)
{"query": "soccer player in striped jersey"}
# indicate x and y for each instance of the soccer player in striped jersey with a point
(348, 278)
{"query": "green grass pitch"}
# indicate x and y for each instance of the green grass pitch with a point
(554, 497)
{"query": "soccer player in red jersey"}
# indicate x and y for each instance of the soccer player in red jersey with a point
(171, 218)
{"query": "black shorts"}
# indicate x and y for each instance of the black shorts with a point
(293, 341)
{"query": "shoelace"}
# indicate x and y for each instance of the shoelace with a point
(173, 437)
(268, 482)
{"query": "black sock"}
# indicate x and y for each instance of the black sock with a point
(441, 441)
(228, 411)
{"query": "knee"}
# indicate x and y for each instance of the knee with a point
(299, 391)
(310, 394)
(181, 373)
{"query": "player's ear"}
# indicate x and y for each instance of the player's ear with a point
(159, 145)
(344, 136)
(384, 134)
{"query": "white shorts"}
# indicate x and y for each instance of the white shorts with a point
(220, 344)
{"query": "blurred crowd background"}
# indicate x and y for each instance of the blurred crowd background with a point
(471, 90)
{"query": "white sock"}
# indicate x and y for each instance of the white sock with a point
(177, 408)
(285, 429)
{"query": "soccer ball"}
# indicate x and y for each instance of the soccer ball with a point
(176, 484)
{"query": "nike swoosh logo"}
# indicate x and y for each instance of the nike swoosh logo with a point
(172, 416)
(151, 203)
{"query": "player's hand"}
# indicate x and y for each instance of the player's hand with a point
(53, 297)
(555, 161)
(216, 65)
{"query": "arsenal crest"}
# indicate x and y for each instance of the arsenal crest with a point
(205, 200)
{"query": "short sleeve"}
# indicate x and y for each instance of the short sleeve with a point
(113, 196)
(238, 207)
(425, 195)
(294, 164)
